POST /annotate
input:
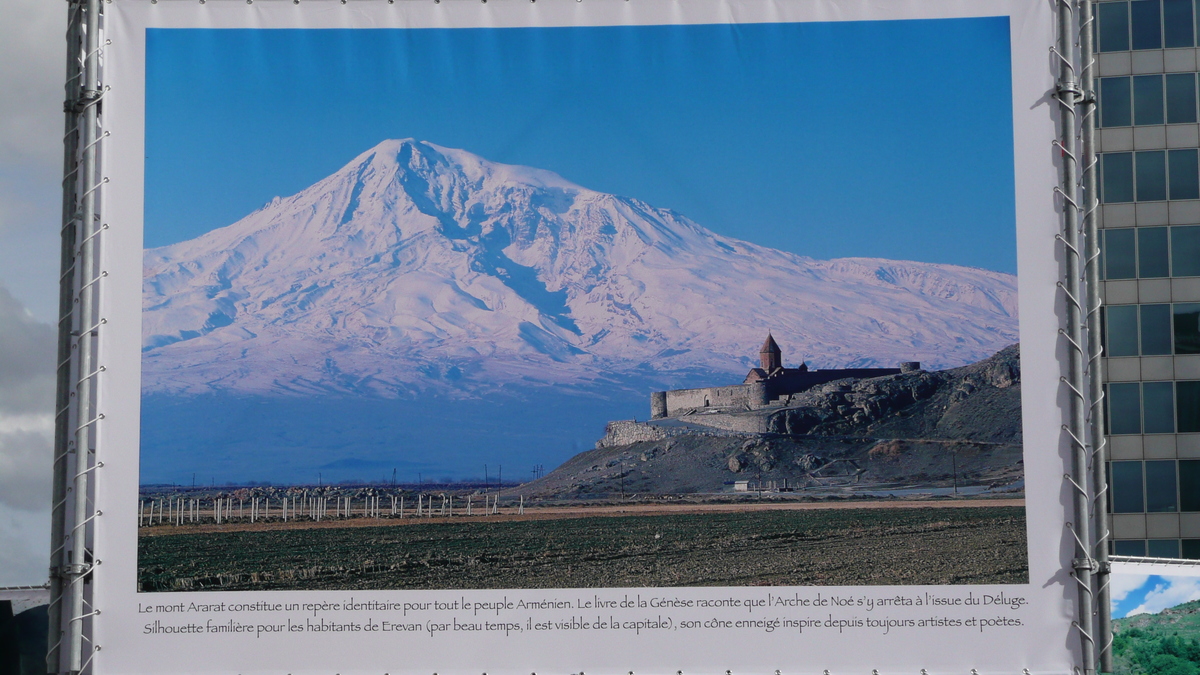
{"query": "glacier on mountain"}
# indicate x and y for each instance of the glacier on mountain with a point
(418, 268)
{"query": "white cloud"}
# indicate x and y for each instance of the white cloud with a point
(1173, 591)
(1121, 585)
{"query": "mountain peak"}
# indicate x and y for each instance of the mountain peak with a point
(418, 265)
(426, 158)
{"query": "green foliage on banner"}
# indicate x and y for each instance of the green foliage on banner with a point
(1167, 643)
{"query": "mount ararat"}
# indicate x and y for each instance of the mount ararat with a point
(419, 269)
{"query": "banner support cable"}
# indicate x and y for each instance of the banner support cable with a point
(1067, 93)
(1089, 197)
(66, 295)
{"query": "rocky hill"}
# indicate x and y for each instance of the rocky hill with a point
(1167, 642)
(900, 434)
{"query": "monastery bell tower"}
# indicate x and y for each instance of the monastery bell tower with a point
(770, 356)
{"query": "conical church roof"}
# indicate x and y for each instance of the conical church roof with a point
(769, 347)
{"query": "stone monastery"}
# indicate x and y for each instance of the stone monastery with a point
(763, 385)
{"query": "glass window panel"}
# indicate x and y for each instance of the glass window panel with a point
(1122, 330)
(1155, 330)
(1185, 184)
(1118, 176)
(1114, 26)
(1187, 328)
(1127, 487)
(1177, 23)
(1152, 252)
(1181, 98)
(1189, 485)
(1116, 104)
(1146, 22)
(1191, 549)
(1125, 408)
(1134, 547)
(1151, 175)
(1158, 407)
(1119, 254)
(1160, 486)
(1187, 407)
(1185, 251)
(1163, 548)
(1148, 99)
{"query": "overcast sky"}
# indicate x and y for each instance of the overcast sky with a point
(31, 120)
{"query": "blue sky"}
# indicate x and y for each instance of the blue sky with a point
(883, 139)
(1150, 593)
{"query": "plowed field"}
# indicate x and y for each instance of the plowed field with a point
(972, 545)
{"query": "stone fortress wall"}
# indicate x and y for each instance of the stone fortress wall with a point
(743, 396)
(762, 386)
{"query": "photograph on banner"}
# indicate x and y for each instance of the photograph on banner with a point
(568, 307)
(1156, 622)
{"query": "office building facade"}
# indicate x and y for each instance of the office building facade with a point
(1148, 139)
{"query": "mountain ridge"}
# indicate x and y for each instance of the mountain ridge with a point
(417, 267)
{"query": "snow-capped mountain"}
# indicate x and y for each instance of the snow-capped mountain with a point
(422, 268)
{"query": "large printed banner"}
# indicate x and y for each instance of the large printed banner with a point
(561, 337)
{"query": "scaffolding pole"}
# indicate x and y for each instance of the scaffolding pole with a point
(66, 296)
(1098, 444)
(79, 326)
(1068, 96)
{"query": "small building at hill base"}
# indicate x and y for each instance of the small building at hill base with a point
(763, 385)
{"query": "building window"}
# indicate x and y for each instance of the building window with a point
(1187, 328)
(1185, 184)
(1178, 26)
(1127, 487)
(1152, 252)
(1187, 406)
(1145, 20)
(1114, 26)
(1160, 487)
(1122, 333)
(1120, 254)
(1147, 100)
(1150, 174)
(1155, 329)
(1115, 110)
(1124, 408)
(1145, 24)
(1132, 547)
(1117, 183)
(1158, 407)
(1185, 251)
(1163, 548)
(1152, 330)
(1191, 549)
(1181, 97)
(1189, 485)
(1153, 257)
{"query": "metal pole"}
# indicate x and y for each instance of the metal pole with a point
(87, 331)
(1067, 94)
(66, 294)
(1091, 238)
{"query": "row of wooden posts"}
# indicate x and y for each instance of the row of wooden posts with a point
(181, 510)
